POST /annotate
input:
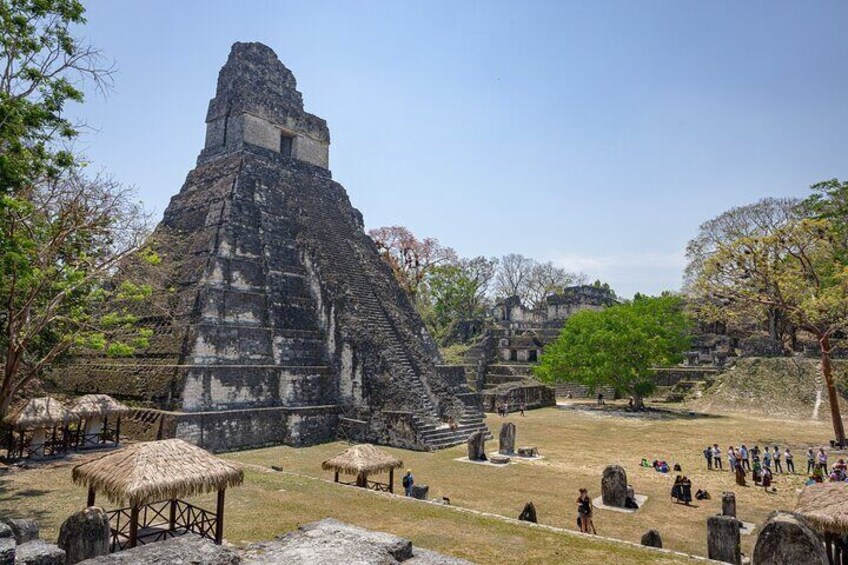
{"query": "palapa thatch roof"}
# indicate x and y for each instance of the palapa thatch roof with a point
(364, 458)
(44, 412)
(94, 405)
(157, 470)
(825, 506)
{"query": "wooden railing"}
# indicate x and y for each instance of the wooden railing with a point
(159, 521)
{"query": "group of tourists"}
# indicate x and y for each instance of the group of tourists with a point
(503, 408)
(818, 470)
(750, 459)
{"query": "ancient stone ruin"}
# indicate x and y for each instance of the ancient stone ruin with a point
(274, 319)
(789, 538)
(85, 535)
(506, 441)
(728, 504)
(614, 486)
(724, 539)
(652, 538)
(477, 446)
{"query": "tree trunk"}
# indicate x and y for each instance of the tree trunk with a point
(833, 398)
(638, 401)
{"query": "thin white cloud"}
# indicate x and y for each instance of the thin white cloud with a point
(648, 272)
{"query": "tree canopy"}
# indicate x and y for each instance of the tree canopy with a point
(618, 346)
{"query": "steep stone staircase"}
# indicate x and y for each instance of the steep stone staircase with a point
(440, 436)
(339, 252)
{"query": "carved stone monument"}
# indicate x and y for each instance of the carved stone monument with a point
(614, 486)
(477, 446)
(652, 538)
(724, 539)
(85, 534)
(728, 504)
(789, 538)
(506, 443)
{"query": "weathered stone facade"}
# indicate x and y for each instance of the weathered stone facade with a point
(275, 319)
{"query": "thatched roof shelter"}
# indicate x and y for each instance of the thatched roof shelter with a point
(97, 405)
(157, 470)
(44, 412)
(825, 506)
(364, 458)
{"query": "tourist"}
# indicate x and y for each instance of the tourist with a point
(744, 457)
(757, 472)
(717, 457)
(600, 398)
(686, 490)
(767, 458)
(522, 407)
(755, 453)
(778, 468)
(765, 480)
(818, 474)
(584, 512)
(790, 464)
(675, 488)
(408, 482)
(811, 461)
(822, 458)
(708, 455)
(740, 473)
(731, 459)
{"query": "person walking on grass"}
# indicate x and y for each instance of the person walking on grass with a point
(717, 457)
(408, 482)
(790, 463)
(708, 455)
(811, 461)
(584, 512)
(822, 459)
(755, 453)
(767, 458)
(778, 468)
(744, 457)
(731, 459)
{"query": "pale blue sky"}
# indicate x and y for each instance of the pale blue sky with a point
(598, 135)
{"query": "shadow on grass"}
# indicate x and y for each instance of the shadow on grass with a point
(650, 413)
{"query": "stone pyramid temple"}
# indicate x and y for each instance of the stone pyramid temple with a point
(274, 320)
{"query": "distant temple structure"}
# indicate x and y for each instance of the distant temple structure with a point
(274, 319)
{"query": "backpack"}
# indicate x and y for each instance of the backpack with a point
(407, 480)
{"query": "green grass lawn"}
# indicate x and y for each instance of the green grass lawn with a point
(576, 446)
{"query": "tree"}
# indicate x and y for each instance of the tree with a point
(618, 346)
(43, 67)
(458, 291)
(410, 259)
(795, 269)
(513, 275)
(752, 220)
(60, 243)
(546, 279)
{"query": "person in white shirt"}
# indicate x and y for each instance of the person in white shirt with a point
(717, 457)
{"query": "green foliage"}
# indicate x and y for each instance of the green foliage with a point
(619, 345)
(119, 349)
(44, 65)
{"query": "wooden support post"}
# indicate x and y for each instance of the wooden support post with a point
(118, 431)
(391, 480)
(10, 445)
(52, 443)
(172, 519)
(337, 477)
(91, 497)
(103, 430)
(133, 526)
(219, 521)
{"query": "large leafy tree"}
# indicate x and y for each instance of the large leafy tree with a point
(42, 68)
(618, 346)
(751, 220)
(797, 269)
(458, 291)
(63, 233)
(411, 259)
(61, 242)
